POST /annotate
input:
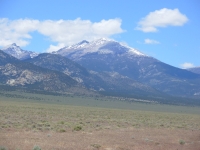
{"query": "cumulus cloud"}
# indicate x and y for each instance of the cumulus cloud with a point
(187, 65)
(16, 31)
(63, 32)
(161, 18)
(150, 41)
(107, 27)
(53, 48)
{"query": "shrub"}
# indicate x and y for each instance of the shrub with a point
(62, 130)
(77, 128)
(97, 146)
(36, 148)
(3, 148)
(182, 142)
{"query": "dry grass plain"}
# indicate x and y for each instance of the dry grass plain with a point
(59, 126)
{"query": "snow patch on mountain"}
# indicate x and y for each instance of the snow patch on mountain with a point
(79, 45)
(67, 72)
(79, 80)
(101, 46)
(13, 46)
(134, 51)
(105, 51)
(18, 53)
(93, 72)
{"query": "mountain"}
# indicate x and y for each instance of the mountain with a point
(18, 53)
(105, 66)
(195, 70)
(101, 47)
(26, 76)
(109, 83)
(111, 56)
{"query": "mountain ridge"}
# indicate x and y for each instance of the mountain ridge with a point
(111, 56)
(103, 82)
(97, 46)
(17, 73)
(109, 64)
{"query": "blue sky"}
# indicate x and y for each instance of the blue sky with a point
(167, 30)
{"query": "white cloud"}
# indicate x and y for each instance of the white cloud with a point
(16, 31)
(150, 41)
(187, 65)
(64, 32)
(161, 18)
(107, 27)
(53, 48)
(72, 31)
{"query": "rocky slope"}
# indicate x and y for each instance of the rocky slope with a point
(14, 72)
(109, 83)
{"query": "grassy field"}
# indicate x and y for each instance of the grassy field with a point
(60, 117)
(99, 102)
(34, 113)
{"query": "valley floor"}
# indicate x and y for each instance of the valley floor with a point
(25, 123)
(106, 139)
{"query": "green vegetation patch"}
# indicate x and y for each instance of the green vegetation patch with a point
(77, 128)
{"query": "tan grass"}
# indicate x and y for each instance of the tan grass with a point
(54, 126)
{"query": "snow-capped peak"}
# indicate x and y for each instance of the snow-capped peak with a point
(134, 51)
(101, 46)
(14, 45)
(100, 41)
(79, 45)
(103, 41)
(83, 42)
(17, 52)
